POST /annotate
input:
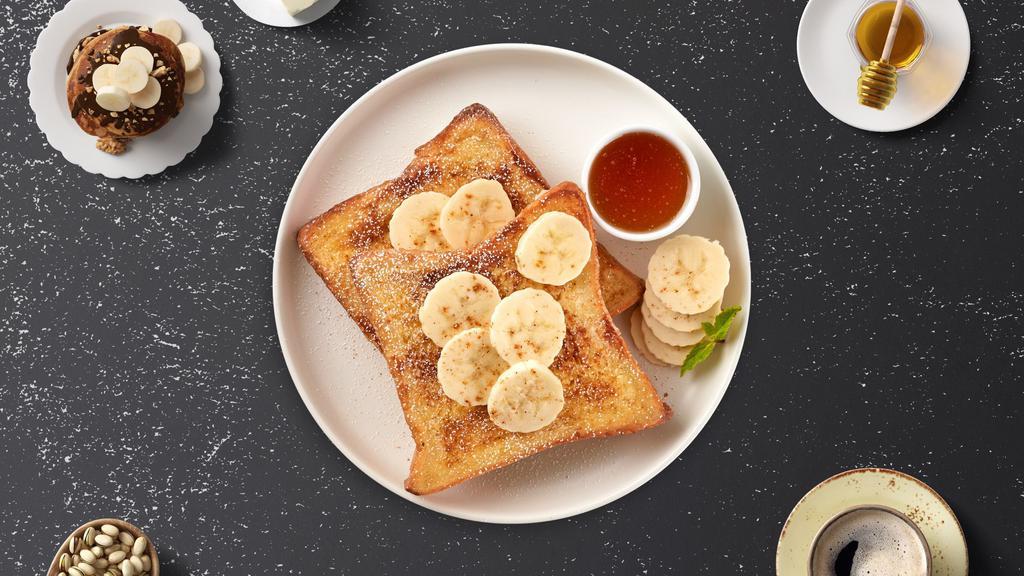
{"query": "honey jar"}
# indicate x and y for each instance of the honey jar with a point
(871, 26)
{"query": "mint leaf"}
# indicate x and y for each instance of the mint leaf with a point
(714, 332)
(722, 324)
(698, 354)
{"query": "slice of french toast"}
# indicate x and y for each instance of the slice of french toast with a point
(606, 392)
(474, 145)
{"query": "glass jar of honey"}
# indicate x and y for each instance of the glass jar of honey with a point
(871, 26)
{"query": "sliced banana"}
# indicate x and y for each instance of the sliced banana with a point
(113, 99)
(528, 324)
(689, 273)
(668, 335)
(130, 76)
(194, 81)
(527, 397)
(474, 212)
(103, 76)
(635, 320)
(457, 302)
(674, 320)
(191, 56)
(673, 355)
(148, 96)
(169, 28)
(469, 366)
(554, 249)
(139, 54)
(415, 223)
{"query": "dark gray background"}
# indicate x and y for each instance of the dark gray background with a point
(142, 376)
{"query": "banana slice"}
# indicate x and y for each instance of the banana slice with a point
(668, 335)
(148, 96)
(139, 54)
(528, 324)
(191, 56)
(474, 212)
(673, 355)
(131, 76)
(635, 320)
(457, 302)
(674, 320)
(469, 366)
(526, 398)
(103, 76)
(688, 273)
(194, 81)
(113, 99)
(554, 249)
(168, 28)
(414, 224)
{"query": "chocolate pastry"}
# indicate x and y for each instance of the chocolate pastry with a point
(115, 128)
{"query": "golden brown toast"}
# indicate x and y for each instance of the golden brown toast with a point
(474, 145)
(606, 392)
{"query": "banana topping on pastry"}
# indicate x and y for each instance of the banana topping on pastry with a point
(474, 212)
(130, 81)
(554, 249)
(415, 224)
(528, 324)
(525, 398)
(457, 302)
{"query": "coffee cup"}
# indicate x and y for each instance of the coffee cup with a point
(870, 540)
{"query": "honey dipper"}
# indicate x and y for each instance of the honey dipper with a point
(876, 86)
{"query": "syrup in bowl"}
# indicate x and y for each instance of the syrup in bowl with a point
(640, 183)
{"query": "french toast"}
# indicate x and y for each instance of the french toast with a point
(474, 145)
(606, 392)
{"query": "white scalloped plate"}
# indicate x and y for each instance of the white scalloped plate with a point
(556, 104)
(47, 96)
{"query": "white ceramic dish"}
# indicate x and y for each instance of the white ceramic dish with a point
(344, 381)
(830, 66)
(692, 189)
(873, 486)
(47, 78)
(273, 13)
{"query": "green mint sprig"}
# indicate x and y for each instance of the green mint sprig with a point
(714, 332)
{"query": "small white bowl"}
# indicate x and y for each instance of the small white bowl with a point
(692, 189)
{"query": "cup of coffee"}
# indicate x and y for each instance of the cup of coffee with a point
(870, 540)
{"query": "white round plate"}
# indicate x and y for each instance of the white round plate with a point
(273, 13)
(556, 104)
(830, 66)
(863, 486)
(47, 79)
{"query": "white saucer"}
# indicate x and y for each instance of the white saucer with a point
(273, 13)
(830, 67)
(889, 488)
(47, 79)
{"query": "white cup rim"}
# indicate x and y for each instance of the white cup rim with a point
(692, 189)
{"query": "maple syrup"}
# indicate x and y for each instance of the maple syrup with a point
(638, 182)
(873, 27)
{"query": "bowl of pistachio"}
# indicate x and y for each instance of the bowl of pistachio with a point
(106, 547)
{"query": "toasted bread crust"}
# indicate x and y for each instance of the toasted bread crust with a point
(606, 391)
(473, 145)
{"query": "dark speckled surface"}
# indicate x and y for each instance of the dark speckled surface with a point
(142, 376)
